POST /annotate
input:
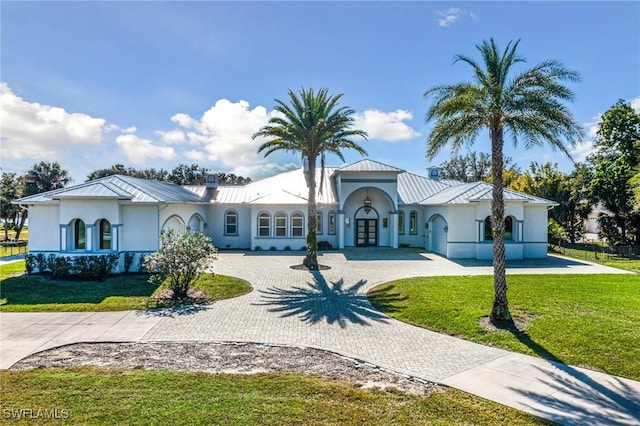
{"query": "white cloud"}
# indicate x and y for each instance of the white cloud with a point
(635, 104)
(452, 15)
(138, 150)
(223, 134)
(33, 130)
(386, 126)
(172, 136)
(582, 150)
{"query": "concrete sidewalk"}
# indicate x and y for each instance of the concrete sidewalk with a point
(329, 310)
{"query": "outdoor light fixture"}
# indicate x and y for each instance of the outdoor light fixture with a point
(367, 203)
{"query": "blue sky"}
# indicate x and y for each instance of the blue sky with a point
(155, 84)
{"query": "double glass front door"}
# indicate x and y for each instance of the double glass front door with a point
(366, 232)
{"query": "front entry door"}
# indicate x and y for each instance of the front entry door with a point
(366, 232)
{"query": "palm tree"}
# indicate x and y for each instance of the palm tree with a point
(526, 107)
(312, 125)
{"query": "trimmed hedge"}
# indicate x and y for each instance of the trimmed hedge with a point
(95, 268)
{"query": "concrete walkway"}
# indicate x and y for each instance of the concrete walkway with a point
(329, 310)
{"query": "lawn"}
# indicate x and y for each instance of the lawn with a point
(33, 293)
(585, 320)
(590, 255)
(107, 396)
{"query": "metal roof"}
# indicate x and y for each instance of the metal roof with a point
(413, 188)
(369, 166)
(479, 191)
(123, 187)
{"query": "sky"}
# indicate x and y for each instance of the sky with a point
(157, 84)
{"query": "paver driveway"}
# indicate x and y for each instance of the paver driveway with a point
(329, 310)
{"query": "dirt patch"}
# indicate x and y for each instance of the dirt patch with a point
(518, 324)
(233, 358)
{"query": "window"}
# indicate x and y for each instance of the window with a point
(264, 224)
(488, 229)
(231, 223)
(281, 224)
(413, 222)
(319, 223)
(104, 234)
(79, 235)
(401, 223)
(297, 225)
(508, 229)
(331, 225)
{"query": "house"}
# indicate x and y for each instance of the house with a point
(363, 204)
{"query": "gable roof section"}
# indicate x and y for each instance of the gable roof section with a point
(369, 166)
(120, 187)
(414, 188)
(479, 191)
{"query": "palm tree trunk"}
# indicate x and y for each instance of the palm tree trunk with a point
(500, 311)
(311, 260)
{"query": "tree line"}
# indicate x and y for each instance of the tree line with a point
(609, 177)
(46, 176)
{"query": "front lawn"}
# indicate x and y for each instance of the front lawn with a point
(33, 293)
(585, 320)
(108, 396)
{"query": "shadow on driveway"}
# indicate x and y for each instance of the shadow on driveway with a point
(333, 302)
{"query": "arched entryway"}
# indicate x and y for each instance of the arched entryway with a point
(175, 223)
(438, 229)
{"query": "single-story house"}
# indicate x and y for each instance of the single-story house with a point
(363, 204)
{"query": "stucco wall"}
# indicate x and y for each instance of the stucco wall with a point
(535, 232)
(90, 211)
(140, 228)
(44, 228)
(217, 229)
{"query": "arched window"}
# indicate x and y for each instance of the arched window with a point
(401, 223)
(297, 225)
(319, 223)
(264, 224)
(79, 235)
(104, 234)
(413, 222)
(231, 222)
(508, 228)
(331, 225)
(280, 220)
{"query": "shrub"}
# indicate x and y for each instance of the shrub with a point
(273, 248)
(29, 263)
(180, 259)
(287, 248)
(257, 248)
(324, 245)
(128, 260)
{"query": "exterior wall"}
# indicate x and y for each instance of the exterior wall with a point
(90, 211)
(216, 228)
(140, 228)
(463, 231)
(350, 182)
(183, 213)
(535, 232)
(417, 239)
(44, 228)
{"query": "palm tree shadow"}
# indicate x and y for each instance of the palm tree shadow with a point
(332, 302)
(619, 401)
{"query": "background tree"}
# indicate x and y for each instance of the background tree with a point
(525, 107)
(188, 175)
(11, 188)
(182, 174)
(468, 168)
(615, 160)
(41, 177)
(180, 259)
(312, 126)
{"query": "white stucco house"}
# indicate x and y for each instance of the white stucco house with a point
(363, 204)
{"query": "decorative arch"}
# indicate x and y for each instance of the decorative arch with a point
(438, 229)
(280, 221)
(231, 222)
(196, 223)
(78, 234)
(509, 228)
(297, 224)
(175, 223)
(394, 203)
(264, 224)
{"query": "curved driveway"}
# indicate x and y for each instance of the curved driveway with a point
(329, 310)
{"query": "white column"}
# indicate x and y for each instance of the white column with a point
(393, 223)
(340, 229)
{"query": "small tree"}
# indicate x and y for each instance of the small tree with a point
(181, 259)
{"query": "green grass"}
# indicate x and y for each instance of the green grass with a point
(33, 293)
(101, 396)
(584, 320)
(10, 269)
(632, 265)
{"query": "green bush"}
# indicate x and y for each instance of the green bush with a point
(128, 260)
(77, 267)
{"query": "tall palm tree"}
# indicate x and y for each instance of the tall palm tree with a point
(526, 107)
(312, 125)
